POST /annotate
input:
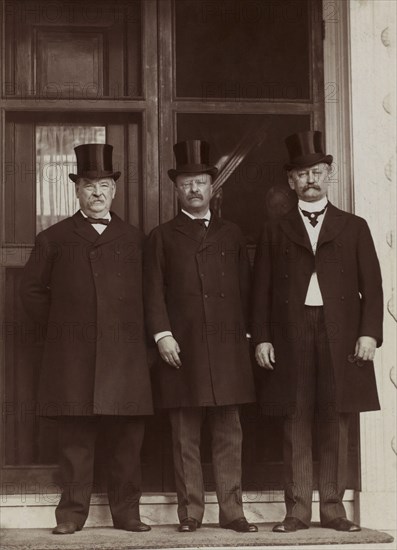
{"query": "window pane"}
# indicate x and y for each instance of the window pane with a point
(250, 153)
(55, 159)
(231, 49)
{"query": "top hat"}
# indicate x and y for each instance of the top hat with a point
(94, 160)
(192, 157)
(305, 149)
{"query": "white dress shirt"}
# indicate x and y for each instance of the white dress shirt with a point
(207, 216)
(99, 227)
(313, 295)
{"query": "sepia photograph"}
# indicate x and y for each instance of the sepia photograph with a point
(198, 274)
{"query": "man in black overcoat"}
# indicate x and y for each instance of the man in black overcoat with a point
(317, 319)
(196, 280)
(83, 283)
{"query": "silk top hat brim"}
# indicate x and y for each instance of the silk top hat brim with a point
(94, 161)
(192, 169)
(95, 175)
(309, 160)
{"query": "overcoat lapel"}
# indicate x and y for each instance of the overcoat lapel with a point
(215, 225)
(113, 231)
(84, 228)
(333, 224)
(115, 228)
(294, 228)
(212, 233)
(183, 224)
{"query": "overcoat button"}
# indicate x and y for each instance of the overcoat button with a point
(222, 253)
(117, 251)
(222, 295)
(95, 274)
(205, 295)
(286, 301)
(201, 274)
(286, 276)
(342, 297)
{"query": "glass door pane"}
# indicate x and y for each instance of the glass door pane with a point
(250, 154)
(55, 159)
(234, 49)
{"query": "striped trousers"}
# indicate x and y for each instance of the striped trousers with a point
(315, 407)
(226, 444)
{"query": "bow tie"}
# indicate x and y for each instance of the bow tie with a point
(102, 221)
(312, 216)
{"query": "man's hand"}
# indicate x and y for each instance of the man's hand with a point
(264, 355)
(169, 350)
(364, 350)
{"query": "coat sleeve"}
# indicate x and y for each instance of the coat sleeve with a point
(370, 286)
(35, 290)
(262, 291)
(154, 290)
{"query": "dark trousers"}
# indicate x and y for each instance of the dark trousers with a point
(77, 436)
(315, 404)
(226, 445)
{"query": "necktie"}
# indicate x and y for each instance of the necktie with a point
(201, 222)
(102, 221)
(313, 215)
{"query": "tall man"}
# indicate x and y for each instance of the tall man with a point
(317, 318)
(83, 282)
(196, 299)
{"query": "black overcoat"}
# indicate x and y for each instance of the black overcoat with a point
(86, 289)
(198, 288)
(350, 282)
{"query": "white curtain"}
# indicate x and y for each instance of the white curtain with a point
(55, 159)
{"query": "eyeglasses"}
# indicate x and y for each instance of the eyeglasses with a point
(189, 184)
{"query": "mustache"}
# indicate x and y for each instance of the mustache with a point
(311, 187)
(196, 196)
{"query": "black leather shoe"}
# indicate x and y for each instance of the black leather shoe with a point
(188, 525)
(241, 525)
(343, 524)
(66, 528)
(289, 525)
(134, 525)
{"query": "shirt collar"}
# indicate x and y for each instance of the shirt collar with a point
(207, 215)
(105, 217)
(313, 206)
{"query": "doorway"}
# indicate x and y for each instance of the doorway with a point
(143, 75)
